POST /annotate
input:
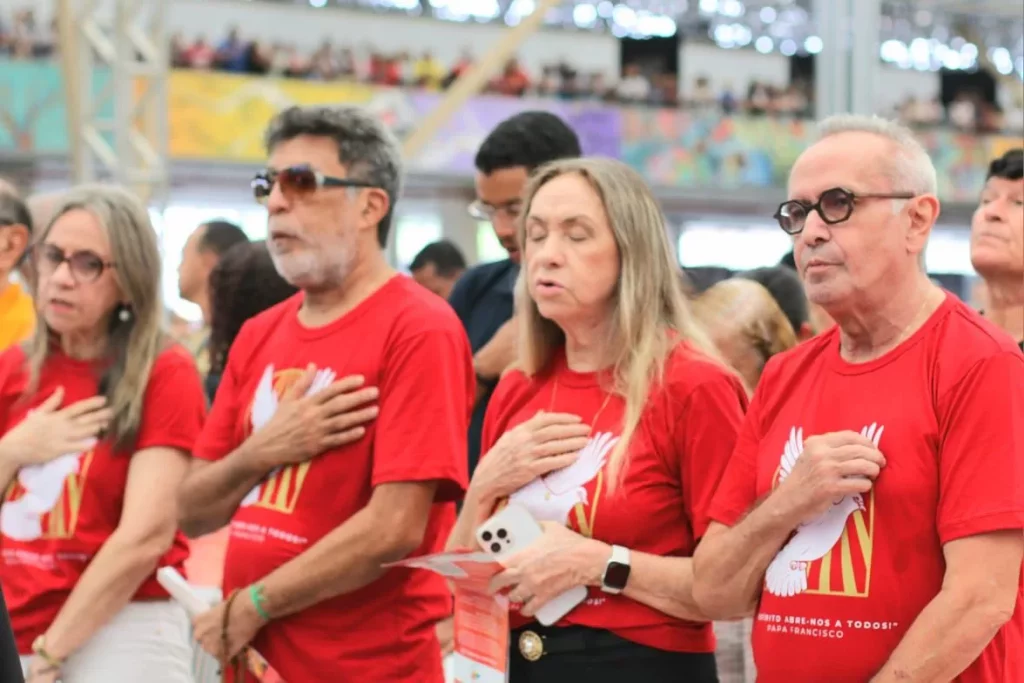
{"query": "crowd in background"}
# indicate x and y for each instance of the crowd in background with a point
(23, 37)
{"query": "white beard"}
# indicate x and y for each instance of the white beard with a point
(322, 265)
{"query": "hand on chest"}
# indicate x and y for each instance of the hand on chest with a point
(569, 496)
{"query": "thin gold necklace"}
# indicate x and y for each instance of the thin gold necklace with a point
(593, 424)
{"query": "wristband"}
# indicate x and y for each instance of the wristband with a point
(257, 598)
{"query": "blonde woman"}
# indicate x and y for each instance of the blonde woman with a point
(619, 394)
(746, 325)
(98, 413)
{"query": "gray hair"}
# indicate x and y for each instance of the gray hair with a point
(366, 148)
(909, 170)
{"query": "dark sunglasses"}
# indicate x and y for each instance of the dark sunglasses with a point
(834, 206)
(297, 181)
(85, 266)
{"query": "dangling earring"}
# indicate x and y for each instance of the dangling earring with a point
(124, 315)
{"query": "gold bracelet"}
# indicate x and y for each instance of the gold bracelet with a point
(39, 650)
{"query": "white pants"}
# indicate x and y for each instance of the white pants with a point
(146, 641)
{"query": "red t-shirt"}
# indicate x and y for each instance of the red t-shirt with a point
(676, 458)
(409, 344)
(945, 408)
(51, 530)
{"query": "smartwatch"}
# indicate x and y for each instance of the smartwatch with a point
(616, 572)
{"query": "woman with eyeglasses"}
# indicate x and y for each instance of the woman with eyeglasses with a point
(612, 431)
(98, 414)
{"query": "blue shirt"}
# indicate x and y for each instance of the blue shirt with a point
(483, 299)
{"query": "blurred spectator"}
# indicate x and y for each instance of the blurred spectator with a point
(997, 243)
(203, 251)
(428, 72)
(513, 81)
(634, 86)
(200, 55)
(438, 267)
(17, 311)
(746, 325)
(785, 287)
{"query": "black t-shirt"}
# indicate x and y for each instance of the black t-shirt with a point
(483, 299)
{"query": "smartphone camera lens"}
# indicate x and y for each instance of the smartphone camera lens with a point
(502, 533)
(495, 547)
(486, 536)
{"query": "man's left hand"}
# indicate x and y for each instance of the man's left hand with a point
(559, 561)
(243, 625)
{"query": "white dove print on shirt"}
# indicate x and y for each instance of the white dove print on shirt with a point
(552, 498)
(787, 574)
(22, 519)
(264, 405)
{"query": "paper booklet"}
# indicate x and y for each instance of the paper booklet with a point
(481, 619)
(195, 604)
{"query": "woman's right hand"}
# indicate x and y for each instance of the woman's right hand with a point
(49, 431)
(544, 443)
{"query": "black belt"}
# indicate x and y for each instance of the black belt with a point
(535, 641)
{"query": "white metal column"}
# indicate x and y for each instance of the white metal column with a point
(847, 70)
(115, 57)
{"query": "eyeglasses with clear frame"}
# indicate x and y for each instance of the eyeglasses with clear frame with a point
(485, 212)
(86, 267)
(834, 206)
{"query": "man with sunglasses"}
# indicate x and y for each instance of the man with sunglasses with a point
(17, 311)
(336, 443)
(871, 514)
(482, 297)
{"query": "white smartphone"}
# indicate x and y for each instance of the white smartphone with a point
(514, 529)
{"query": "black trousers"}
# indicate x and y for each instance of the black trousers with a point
(10, 663)
(575, 653)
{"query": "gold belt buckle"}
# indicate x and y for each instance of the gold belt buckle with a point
(531, 646)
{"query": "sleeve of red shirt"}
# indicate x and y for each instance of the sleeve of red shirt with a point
(218, 437)
(426, 398)
(707, 427)
(981, 452)
(174, 405)
(737, 490)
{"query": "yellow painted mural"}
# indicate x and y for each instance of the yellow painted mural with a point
(223, 116)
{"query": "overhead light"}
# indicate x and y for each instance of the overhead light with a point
(764, 44)
(768, 15)
(813, 44)
(742, 34)
(318, 3)
(732, 8)
(584, 15)
(788, 47)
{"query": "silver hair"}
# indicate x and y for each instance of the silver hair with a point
(910, 170)
(366, 148)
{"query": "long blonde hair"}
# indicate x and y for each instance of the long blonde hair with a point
(132, 346)
(649, 314)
